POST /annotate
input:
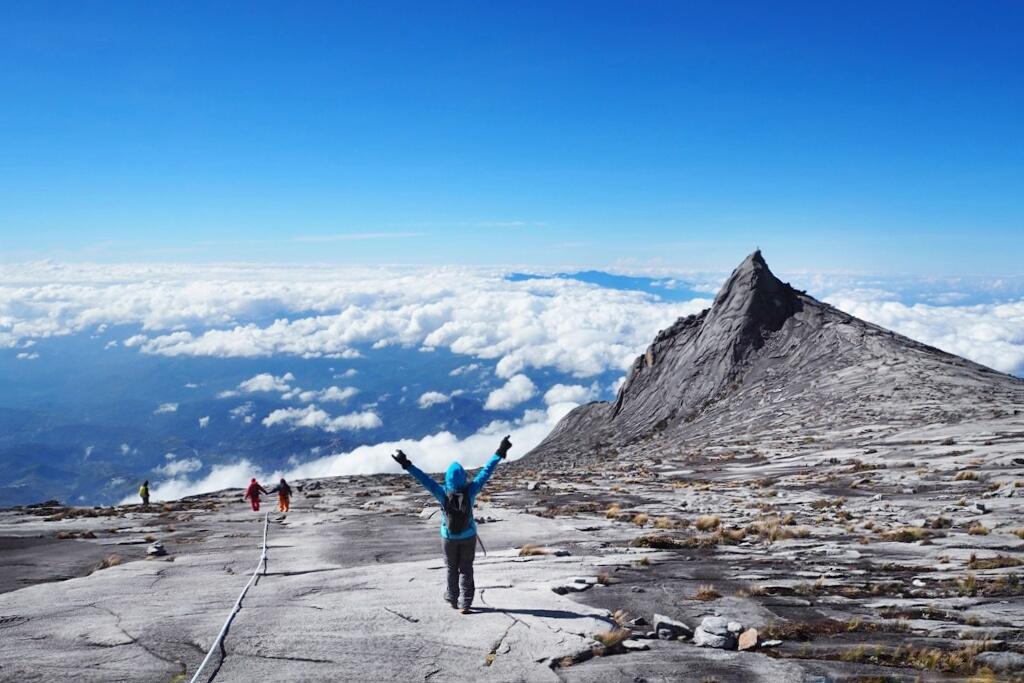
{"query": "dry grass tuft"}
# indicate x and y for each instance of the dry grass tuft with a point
(613, 511)
(997, 562)
(612, 638)
(707, 522)
(530, 549)
(664, 523)
(966, 475)
(111, 561)
(641, 518)
(706, 592)
(978, 529)
(907, 534)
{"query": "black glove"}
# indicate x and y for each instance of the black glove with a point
(503, 448)
(402, 460)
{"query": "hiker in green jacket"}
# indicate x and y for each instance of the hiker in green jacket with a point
(144, 493)
(458, 528)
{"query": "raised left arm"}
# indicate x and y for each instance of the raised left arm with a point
(483, 475)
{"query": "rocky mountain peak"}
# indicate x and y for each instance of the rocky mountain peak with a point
(751, 305)
(770, 357)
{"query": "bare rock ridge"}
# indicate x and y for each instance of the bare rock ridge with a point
(764, 355)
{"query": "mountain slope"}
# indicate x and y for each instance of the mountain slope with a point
(767, 357)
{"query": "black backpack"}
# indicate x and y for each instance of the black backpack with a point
(458, 512)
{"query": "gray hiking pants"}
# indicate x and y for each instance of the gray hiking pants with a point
(458, 558)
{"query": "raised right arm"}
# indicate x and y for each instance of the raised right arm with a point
(427, 482)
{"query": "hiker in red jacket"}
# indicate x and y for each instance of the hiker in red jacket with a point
(253, 494)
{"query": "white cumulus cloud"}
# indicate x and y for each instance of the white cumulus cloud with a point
(313, 417)
(175, 468)
(266, 382)
(517, 389)
(432, 398)
(166, 408)
(570, 393)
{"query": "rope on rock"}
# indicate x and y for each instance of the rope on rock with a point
(260, 566)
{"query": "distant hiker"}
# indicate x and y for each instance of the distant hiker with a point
(253, 494)
(284, 495)
(458, 528)
(144, 493)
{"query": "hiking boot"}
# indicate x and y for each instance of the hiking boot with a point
(465, 610)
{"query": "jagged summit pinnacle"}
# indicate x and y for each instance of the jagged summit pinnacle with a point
(751, 305)
(766, 353)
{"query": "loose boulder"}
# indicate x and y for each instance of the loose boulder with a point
(714, 632)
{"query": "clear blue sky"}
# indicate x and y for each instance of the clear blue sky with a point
(880, 136)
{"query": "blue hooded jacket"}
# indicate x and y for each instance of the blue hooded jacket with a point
(455, 480)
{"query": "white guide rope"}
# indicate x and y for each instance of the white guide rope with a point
(261, 565)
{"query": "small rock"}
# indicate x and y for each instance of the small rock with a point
(714, 632)
(1001, 662)
(908, 491)
(877, 496)
(589, 580)
(156, 550)
(919, 583)
(716, 625)
(563, 588)
(771, 643)
(534, 485)
(734, 627)
(747, 639)
(635, 645)
(639, 621)
(671, 628)
(560, 552)
(981, 508)
(637, 589)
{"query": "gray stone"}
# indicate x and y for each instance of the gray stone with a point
(570, 587)
(671, 628)
(716, 625)
(714, 632)
(635, 645)
(1001, 662)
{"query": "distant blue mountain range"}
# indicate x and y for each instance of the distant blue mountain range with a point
(667, 288)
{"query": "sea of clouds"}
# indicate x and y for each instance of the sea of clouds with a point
(580, 329)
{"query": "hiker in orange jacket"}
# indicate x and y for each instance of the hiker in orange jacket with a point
(253, 494)
(284, 495)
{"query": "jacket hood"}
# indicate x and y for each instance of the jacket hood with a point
(455, 478)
